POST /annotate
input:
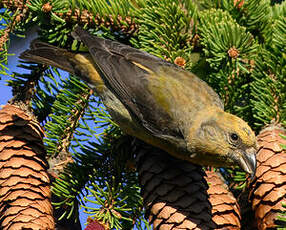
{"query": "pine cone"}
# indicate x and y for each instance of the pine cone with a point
(25, 185)
(268, 190)
(174, 191)
(225, 209)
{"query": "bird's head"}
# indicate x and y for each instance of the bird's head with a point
(226, 140)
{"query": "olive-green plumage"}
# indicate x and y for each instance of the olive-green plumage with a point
(156, 101)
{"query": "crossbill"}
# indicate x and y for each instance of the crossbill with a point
(156, 101)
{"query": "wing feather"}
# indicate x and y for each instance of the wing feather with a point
(127, 72)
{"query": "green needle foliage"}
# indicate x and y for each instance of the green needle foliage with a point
(164, 36)
(238, 47)
(5, 20)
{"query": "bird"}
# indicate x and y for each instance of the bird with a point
(156, 101)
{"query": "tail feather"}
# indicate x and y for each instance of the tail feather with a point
(47, 54)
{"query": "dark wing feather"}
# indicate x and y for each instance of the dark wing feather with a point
(129, 82)
(41, 52)
(126, 72)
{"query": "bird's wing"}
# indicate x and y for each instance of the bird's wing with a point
(155, 92)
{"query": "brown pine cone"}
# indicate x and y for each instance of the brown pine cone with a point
(268, 190)
(174, 191)
(225, 209)
(25, 185)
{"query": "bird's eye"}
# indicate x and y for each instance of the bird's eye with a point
(234, 137)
